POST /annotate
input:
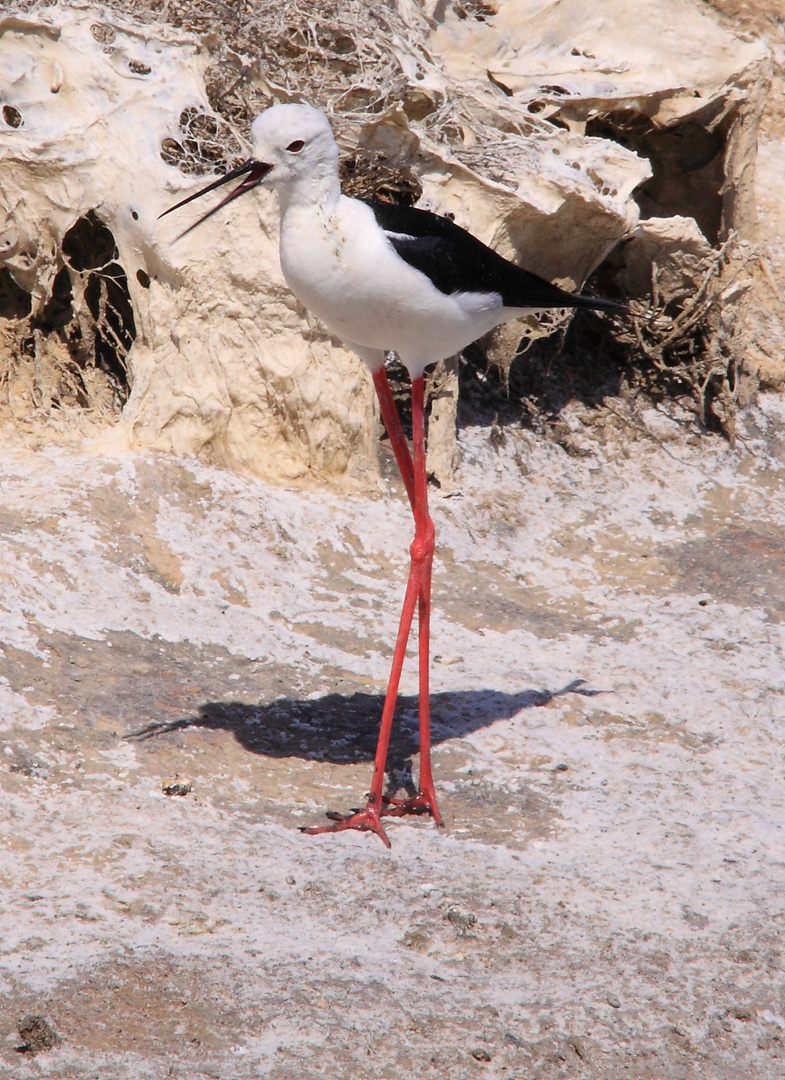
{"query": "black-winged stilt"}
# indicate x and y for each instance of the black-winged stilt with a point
(385, 278)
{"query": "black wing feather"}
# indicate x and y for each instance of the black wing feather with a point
(456, 261)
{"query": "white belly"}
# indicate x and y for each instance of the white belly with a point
(344, 270)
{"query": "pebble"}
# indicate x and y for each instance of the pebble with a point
(176, 785)
(37, 1034)
(461, 918)
(578, 1045)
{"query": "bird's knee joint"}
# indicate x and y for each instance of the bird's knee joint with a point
(422, 547)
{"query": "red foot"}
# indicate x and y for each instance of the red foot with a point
(424, 802)
(366, 820)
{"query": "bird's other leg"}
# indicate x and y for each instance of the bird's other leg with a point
(392, 423)
(424, 802)
(417, 592)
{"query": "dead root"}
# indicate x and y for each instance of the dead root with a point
(696, 346)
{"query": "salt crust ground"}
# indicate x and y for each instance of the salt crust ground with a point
(607, 897)
(627, 909)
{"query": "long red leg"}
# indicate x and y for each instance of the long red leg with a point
(418, 590)
(424, 802)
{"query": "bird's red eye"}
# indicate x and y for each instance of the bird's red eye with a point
(296, 146)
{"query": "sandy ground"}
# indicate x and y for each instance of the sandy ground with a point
(607, 898)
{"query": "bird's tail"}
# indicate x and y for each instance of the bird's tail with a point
(578, 300)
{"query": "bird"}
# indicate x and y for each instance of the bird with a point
(385, 278)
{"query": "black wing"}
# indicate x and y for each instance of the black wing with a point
(456, 261)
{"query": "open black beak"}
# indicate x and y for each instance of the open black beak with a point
(256, 172)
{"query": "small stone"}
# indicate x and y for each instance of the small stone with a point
(513, 1040)
(561, 767)
(613, 1001)
(37, 1034)
(461, 918)
(742, 1012)
(578, 1045)
(481, 1054)
(290, 879)
(176, 785)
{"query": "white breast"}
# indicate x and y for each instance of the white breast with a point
(342, 267)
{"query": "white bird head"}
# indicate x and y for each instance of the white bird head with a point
(294, 148)
(297, 142)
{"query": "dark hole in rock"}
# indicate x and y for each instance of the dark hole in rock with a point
(207, 142)
(687, 163)
(58, 310)
(110, 305)
(103, 33)
(89, 244)
(91, 251)
(15, 303)
(343, 44)
(12, 116)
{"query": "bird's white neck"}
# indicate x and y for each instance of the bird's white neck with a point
(320, 190)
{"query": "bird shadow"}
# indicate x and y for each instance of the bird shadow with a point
(342, 729)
